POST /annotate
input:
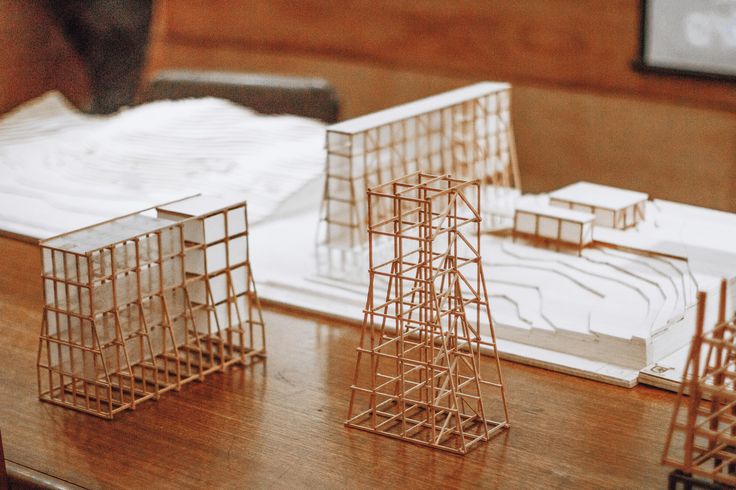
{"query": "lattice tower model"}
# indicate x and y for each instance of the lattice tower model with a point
(419, 374)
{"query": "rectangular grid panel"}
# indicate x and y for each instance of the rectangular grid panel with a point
(232, 330)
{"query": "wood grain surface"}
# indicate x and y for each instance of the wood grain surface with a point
(586, 45)
(580, 112)
(278, 424)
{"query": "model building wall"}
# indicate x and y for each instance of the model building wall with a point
(140, 305)
(465, 132)
(217, 267)
(555, 224)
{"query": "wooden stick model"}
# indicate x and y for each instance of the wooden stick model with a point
(702, 433)
(141, 305)
(418, 373)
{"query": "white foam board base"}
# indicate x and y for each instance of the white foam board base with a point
(282, 294)
(285, 270)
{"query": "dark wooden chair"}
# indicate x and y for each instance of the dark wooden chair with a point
(267, 94)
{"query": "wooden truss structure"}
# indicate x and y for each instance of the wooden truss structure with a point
(465, 132)
(141, 305)
(418, 373)
(701, 441)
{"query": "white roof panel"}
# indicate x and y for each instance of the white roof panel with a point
(417, 107)
(599, 196)
(107, 233)
(200, 205)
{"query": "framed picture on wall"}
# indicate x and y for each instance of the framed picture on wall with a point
(688, 37)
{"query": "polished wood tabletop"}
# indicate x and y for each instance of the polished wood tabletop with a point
(279, 423)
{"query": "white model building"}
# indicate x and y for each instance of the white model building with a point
(465, 132)
(612, 207)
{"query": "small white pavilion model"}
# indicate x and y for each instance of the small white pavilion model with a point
(612, 207)
(144, 303)
(556, 224)
(572, 212)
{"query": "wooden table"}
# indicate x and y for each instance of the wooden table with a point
(279, 423)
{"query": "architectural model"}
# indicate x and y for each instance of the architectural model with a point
(588, 279)
(702, 435)
(573, 211)
(611, 207)
(144, 303)
(465, 132)
(558, 225)
(560, 264)
(417, 376)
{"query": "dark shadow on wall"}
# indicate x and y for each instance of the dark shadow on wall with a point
(111, 38)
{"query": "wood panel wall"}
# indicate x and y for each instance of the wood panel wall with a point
(35, 57)
(576, 44)
(581, 111)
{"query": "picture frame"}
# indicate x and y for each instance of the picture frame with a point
(691, 38)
